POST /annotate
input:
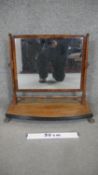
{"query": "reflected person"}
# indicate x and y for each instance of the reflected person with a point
(54, 53)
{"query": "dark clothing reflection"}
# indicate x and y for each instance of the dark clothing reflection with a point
(53, 56)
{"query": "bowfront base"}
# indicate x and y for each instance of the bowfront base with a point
(49, 111)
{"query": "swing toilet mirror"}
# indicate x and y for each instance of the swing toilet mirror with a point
(44, 64)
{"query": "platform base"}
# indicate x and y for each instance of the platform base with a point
(49, 111)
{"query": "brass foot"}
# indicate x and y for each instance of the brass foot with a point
(91, 120)
(7, 119)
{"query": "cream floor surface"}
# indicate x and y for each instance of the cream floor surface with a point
(31, 81)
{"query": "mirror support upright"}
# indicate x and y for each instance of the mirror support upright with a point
(83, 98)
(14, 100)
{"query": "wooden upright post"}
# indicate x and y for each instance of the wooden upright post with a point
(85, 66)
(12, 69)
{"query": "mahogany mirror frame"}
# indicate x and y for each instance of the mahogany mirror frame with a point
(80, 103)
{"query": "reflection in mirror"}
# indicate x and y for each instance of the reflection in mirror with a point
(49, 63)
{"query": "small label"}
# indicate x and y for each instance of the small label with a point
(64, 135)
